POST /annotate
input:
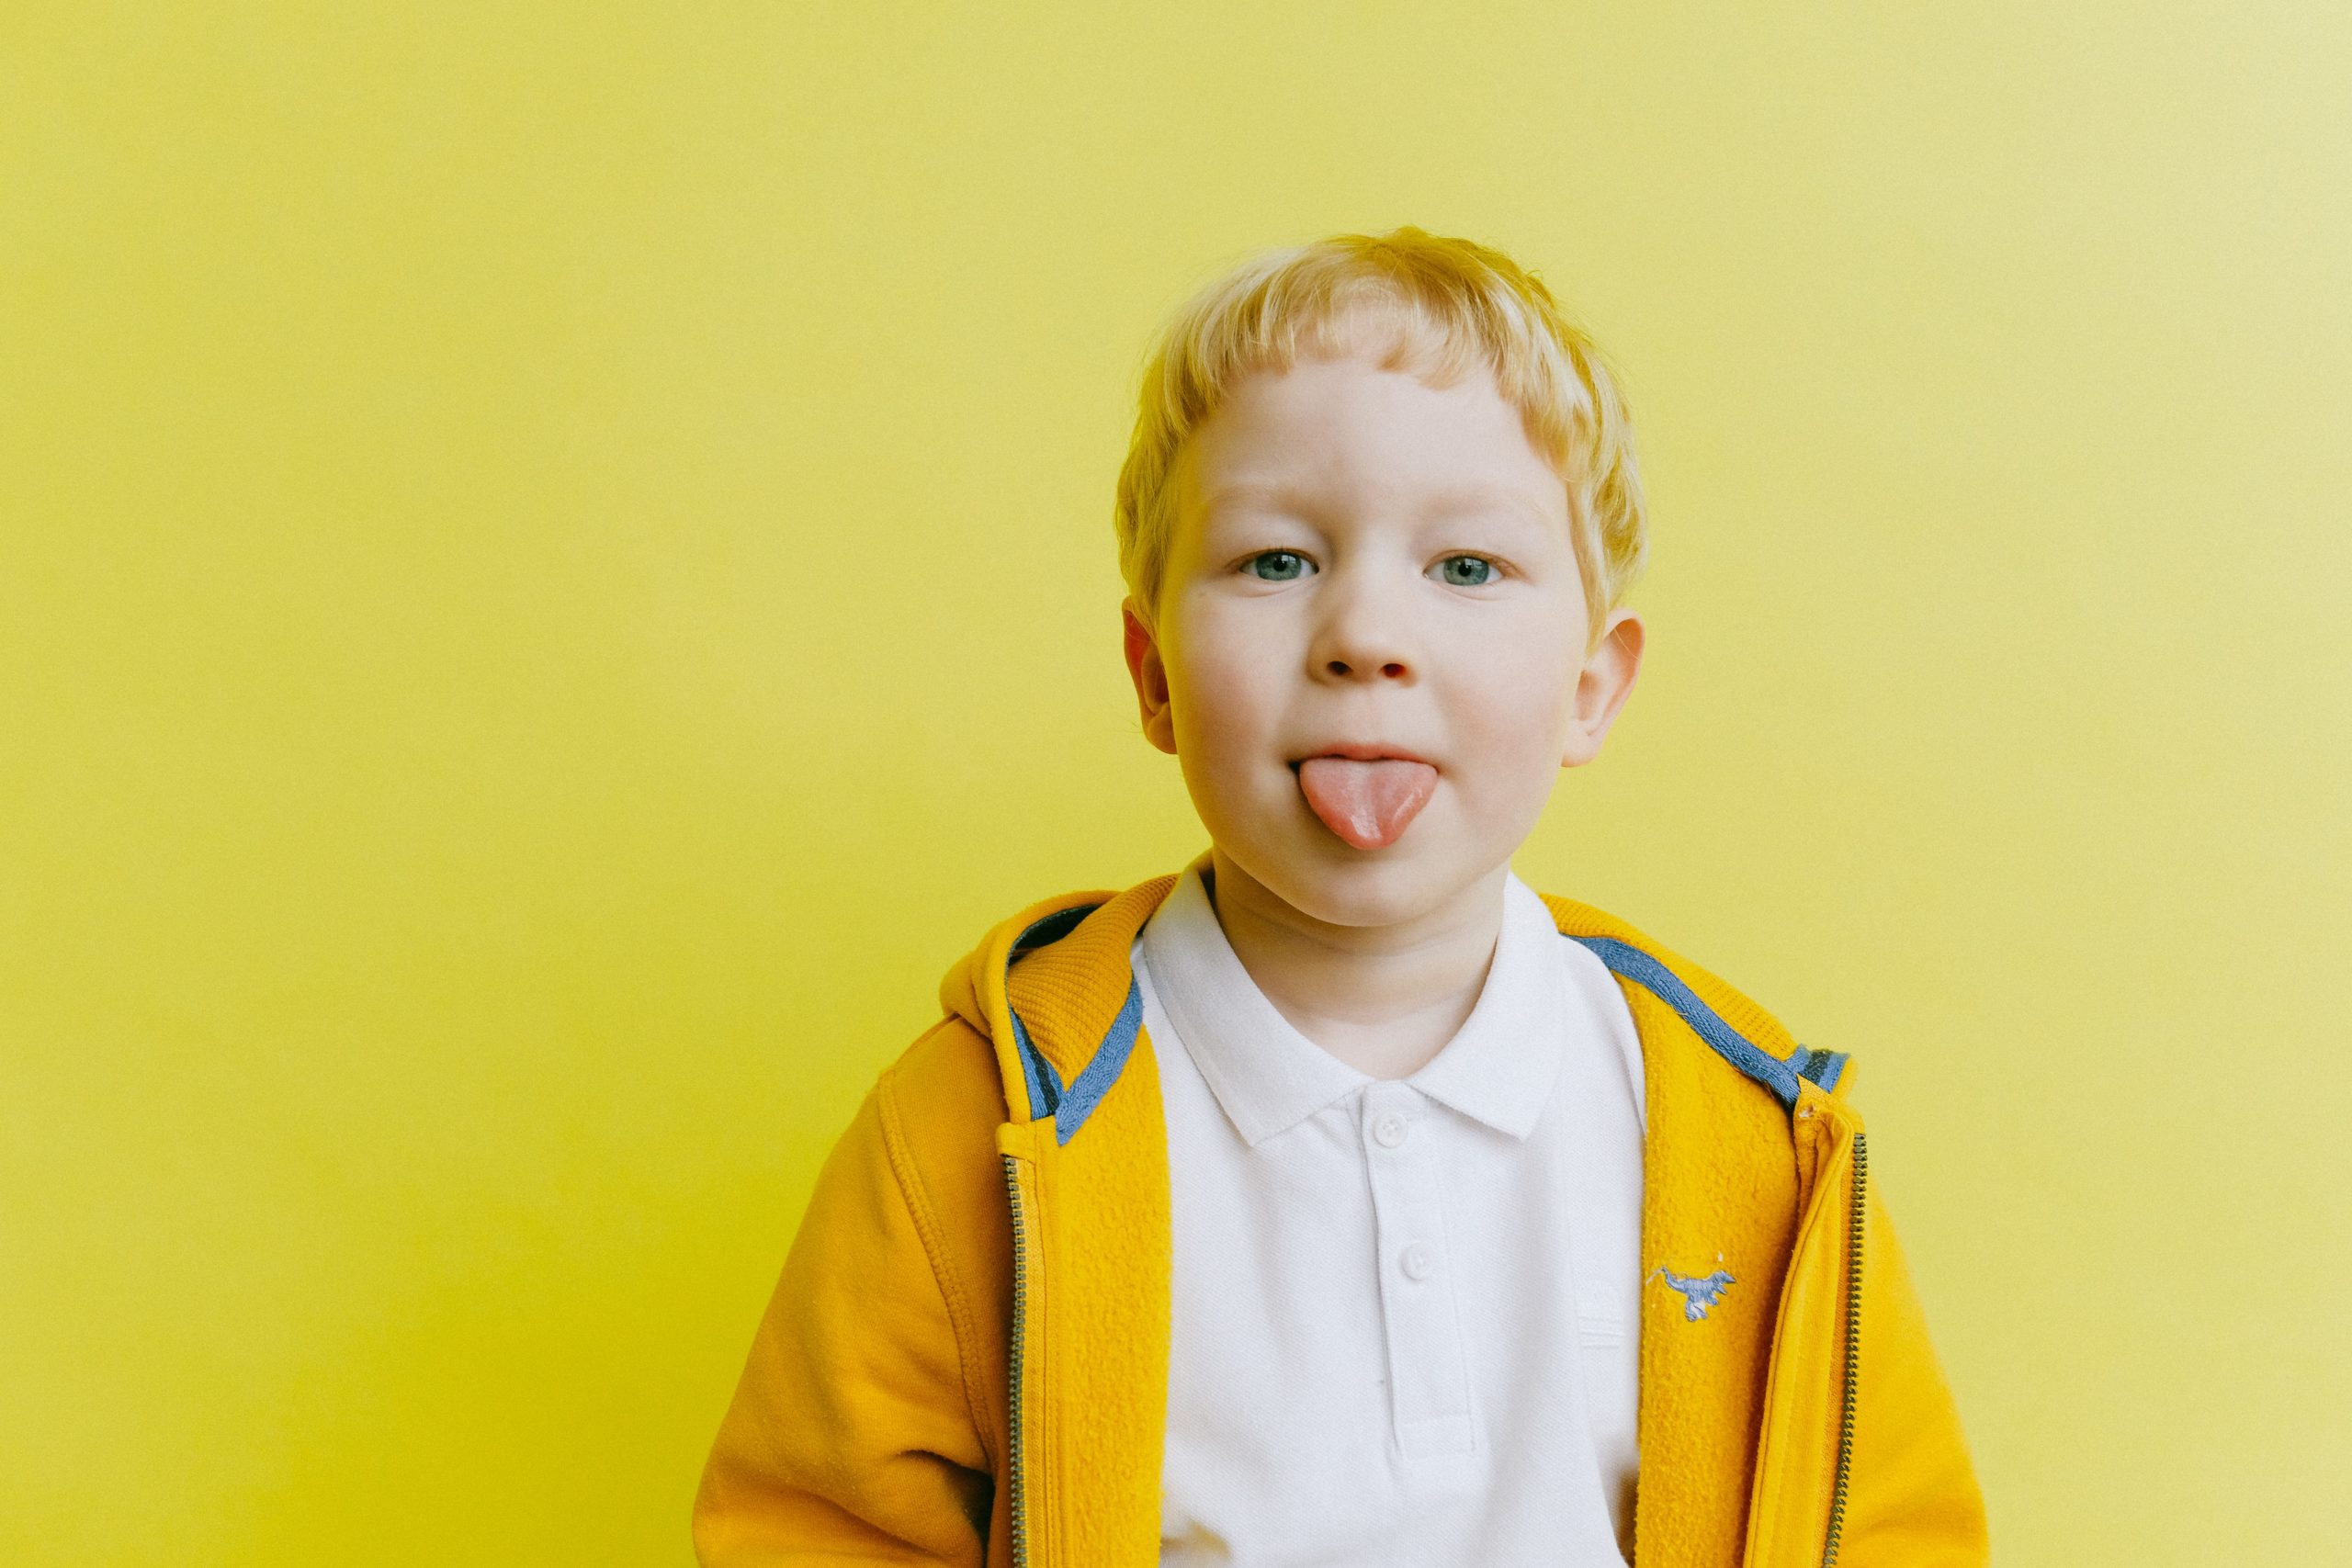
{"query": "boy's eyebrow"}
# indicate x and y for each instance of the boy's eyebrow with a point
(1250, 491)
(1487, 498)
(1452, 503)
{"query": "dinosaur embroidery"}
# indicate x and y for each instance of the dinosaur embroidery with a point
(1698, 1296)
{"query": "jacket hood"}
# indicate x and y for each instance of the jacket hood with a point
(1052, 989)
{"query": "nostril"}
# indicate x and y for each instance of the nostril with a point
(1392, 669)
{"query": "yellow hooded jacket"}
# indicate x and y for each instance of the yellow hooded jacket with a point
(966, 1359)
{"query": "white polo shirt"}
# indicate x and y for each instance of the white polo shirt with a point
(1404, 1310)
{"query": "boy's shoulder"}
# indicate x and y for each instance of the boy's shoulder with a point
(1738, 1028)
(1021, 1016)
(1050, 990)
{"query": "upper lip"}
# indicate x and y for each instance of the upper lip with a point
(1362, 751)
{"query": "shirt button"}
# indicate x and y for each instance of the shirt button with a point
(1390, 1129)
(1416, 1262)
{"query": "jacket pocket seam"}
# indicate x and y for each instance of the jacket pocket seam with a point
(917, 1198)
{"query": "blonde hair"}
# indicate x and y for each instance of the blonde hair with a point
(1448, 307)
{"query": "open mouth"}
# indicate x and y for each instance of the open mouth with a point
(1366, 800)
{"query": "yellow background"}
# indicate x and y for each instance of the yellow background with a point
(557, 571)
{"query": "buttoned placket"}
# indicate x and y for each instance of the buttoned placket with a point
(1429, 1375)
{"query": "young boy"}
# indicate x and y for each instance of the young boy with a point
(1340, 1200)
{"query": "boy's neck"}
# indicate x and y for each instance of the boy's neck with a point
(1385, 999)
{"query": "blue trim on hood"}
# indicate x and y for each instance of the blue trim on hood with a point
(1071, 1105)
(1824, 1067)
(1094, 1081)
(1044, 1080)
(1052, 928)
(1631, 963)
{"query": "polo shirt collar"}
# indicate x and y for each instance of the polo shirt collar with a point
(1498, 1069)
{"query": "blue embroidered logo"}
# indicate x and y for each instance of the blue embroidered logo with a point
(1698, 1296)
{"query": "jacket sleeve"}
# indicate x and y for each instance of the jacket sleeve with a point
(1913, 1501)
(851, 1436)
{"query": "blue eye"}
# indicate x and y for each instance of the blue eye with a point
(1466, 571)
(1276, 566)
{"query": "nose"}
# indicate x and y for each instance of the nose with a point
(1364, 634)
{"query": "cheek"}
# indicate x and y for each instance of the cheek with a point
(1223, 703)
(1511, 711)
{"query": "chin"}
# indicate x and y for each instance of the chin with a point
(1353, 887)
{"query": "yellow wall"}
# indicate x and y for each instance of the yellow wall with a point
(556, 570)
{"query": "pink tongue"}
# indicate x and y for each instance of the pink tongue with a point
(1369, 803)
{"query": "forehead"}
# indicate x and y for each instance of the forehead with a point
(1352, 430)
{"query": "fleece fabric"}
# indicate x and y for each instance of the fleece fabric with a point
(966, 1358)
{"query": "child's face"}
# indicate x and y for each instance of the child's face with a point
(1362, 563)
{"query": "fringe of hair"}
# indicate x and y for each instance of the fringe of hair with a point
(1437, 307)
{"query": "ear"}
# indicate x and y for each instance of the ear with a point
(1602, 686)
(1150, 676)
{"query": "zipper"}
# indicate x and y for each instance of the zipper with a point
(1020, 1357)
(1853, 1355)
